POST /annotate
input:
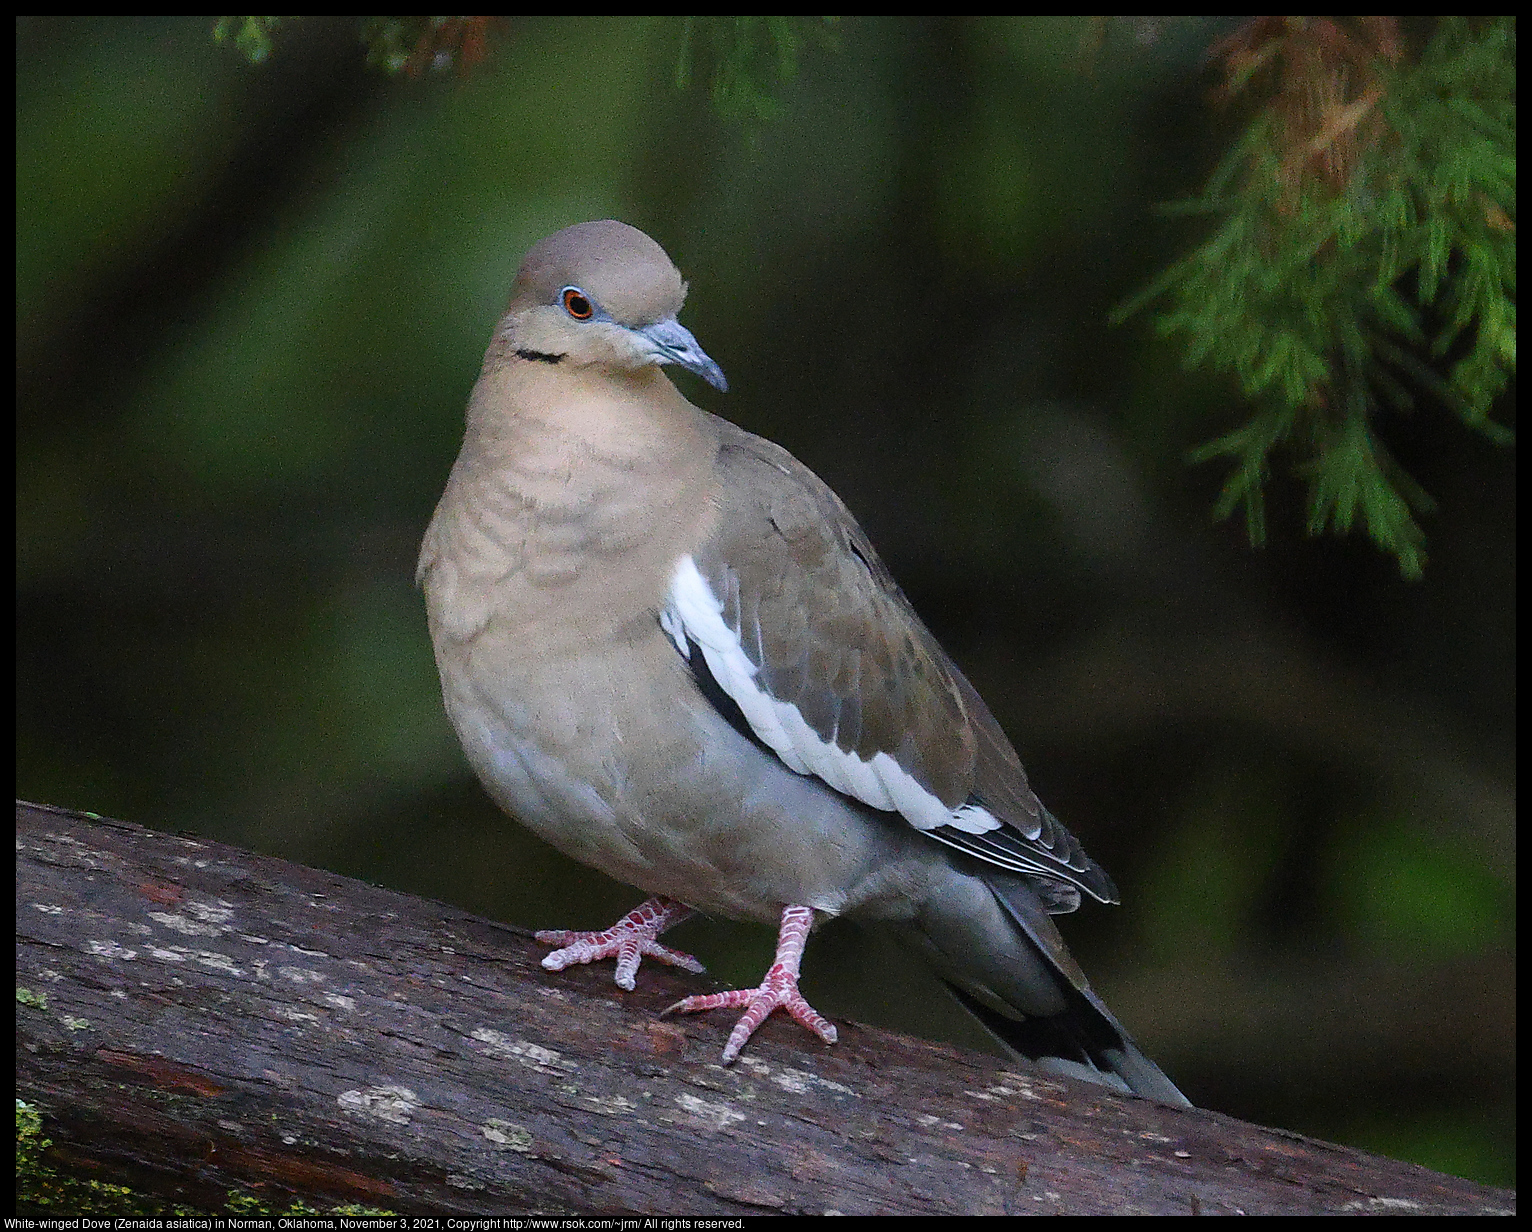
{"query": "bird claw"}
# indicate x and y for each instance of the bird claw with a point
(779, 990)
(629, 941)
(758, 1003)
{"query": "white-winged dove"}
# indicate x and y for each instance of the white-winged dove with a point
(670, 651)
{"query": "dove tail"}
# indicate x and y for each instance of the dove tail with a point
(1086, 1039)
(993, 941)
(1081, 1043)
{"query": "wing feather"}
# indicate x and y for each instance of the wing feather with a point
(802, 627)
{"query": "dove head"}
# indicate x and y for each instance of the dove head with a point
(603, 294)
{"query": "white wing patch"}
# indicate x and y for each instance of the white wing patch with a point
(975, 819)
(674, 630)
(695, 613)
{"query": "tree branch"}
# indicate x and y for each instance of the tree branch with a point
(194, 1019)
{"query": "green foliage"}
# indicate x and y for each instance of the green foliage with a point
(414, 44)
(252, 35)
(1330, 301)
(30, 1144)
(746, 56)
(389, 41)
(393, 44)
(40, 1187)
(745, 53)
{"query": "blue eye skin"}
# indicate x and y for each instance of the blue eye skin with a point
(577, 304)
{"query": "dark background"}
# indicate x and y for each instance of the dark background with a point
(252, 301)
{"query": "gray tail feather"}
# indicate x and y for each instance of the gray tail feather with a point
(1081, 1043)
(1086, 1040)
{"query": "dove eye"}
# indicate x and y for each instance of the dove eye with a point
(576, 304)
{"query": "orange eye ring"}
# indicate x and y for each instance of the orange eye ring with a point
(577, 305)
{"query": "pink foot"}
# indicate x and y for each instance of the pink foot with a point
(629, 941)
(778, 989)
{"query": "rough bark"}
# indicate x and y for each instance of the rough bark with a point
(199, 1019)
